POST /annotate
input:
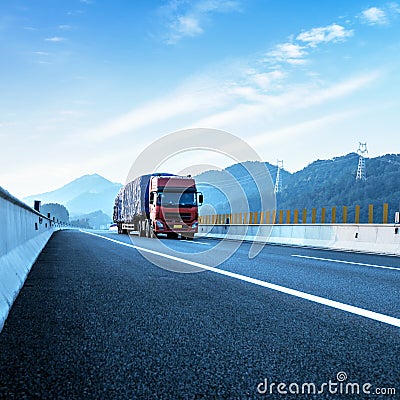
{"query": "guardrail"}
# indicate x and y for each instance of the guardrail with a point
(23, 234)
(332, 215)
(367, 238)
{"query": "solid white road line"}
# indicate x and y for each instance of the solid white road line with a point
(346, 262)
(195, 242)
(296, 293)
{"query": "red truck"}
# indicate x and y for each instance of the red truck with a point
(158, 204)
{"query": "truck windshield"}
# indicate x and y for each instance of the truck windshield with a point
(174, 199)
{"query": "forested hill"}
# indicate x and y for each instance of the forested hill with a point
(328, 183)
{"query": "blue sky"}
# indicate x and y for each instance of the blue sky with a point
(87, 84)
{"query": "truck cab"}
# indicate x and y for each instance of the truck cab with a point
(173, 206)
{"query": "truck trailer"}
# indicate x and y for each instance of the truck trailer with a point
(158, 204)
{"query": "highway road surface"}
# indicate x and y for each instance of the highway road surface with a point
(96, 319)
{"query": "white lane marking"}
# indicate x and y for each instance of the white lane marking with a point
(296, 293)
(346, 262)
(195, 242)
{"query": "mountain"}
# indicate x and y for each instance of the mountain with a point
(95, 220)
(323, 183)
(236, 183)
(84, 195)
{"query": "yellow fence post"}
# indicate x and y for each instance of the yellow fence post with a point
(370, 213)
(313, 215)
(274, 217)
(256, 221)
(344, 216)
(304, 220)
(385, 213)
(357, 215)
(288, 216)
(333, 215)
(268, 217)
(323, 215)
(296, 217)
(281, 217)
(261, 217)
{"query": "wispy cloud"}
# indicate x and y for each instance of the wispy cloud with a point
(184, 18)
(331, 33)
(300, 129)
(242, 97)
(41, 53)
(179, 104)
(295, 52)
(55, 39)
(75, 12)
(65, 27)
(290, 53)
(266, 80)
(382, 15)
(266, 106)
(374, 16)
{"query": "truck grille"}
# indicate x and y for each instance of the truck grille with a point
(186, 216)
(171, 216)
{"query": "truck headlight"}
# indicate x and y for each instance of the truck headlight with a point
(160, 225)
(195, 225)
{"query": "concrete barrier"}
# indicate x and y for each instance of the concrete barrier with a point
(374, 238)
(23, 234)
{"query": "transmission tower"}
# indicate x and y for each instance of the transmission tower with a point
(278, 181)
(361, 170)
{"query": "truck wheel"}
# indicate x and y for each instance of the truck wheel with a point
(149, 230)
(119, 226)
(141, 229)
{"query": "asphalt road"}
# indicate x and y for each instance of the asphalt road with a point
(98, 320)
